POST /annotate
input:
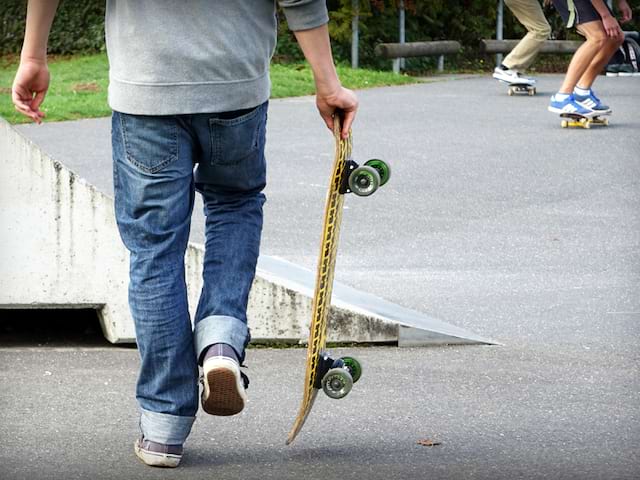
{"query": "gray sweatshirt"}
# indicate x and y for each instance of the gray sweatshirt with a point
(196, 56)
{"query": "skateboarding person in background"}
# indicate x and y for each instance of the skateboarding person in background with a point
(529, 14)
(596, 22)
(189, 84)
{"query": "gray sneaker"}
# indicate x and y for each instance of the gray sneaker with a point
(626, 70)
(223, 383)
(157, 454)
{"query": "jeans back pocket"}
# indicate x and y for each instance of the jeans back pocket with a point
(150, 142)
(234, 139)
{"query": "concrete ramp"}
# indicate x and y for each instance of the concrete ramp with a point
(60, 248)
(351, 306)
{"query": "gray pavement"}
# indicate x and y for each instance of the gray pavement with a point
(495, 220)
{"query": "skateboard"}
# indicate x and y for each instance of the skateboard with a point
(519, 88)
(335, 376)
(576, 120)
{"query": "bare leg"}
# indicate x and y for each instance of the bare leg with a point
(596, 41)
(611, 44)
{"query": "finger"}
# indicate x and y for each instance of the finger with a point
(328, 120)
(38, 99)
(349, 117)
(21, 96)
(29, 113)
(24, 107)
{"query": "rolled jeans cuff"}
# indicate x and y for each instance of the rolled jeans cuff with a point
(221, 329)
(165, 428)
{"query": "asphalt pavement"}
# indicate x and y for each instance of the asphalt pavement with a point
(496, 220)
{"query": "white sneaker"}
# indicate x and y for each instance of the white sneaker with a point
(512, 76)
(224, 384)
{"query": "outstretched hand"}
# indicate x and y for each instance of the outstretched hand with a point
(30, 87)
(343, 101)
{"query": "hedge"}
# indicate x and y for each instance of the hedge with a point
(79, 26)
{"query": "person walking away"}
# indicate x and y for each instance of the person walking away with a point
(189, 85)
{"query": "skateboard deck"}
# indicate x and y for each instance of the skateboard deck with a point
(517, 88)
(570, 120)
(335, 377)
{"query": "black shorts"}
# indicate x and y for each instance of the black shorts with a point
(577, 12)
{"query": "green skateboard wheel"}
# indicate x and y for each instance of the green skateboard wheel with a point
(382, 167)
(354, 367)
(337, 383)
(364, 180)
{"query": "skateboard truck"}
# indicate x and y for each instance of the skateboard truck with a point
(364, 180)
(576, 120)
(337, 376)
(521, 88)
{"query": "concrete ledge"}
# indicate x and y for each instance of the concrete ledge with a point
(60, 248)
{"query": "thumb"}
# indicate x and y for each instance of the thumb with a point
(37, 100)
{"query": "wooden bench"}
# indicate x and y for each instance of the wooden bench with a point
(549, 46)
(395, 51)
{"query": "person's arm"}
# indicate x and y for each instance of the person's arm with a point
(625, 11)
(32, 78)
(610, 24)
(330, 94)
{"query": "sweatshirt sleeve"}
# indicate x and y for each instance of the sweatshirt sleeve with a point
(304, 14)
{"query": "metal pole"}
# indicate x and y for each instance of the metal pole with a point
(355, 20)
(441, 63)
(401, 26)
(499, 23)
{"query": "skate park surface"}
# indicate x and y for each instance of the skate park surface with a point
(495, 220)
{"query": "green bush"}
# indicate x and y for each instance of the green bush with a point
(77, 28)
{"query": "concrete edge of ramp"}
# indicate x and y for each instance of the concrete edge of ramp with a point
(414, 328)
(60, 248)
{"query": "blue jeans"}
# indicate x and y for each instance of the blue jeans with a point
(155, 183)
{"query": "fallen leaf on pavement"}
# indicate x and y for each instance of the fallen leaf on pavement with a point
(428, 443)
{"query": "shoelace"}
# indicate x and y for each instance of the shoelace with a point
(245, 380)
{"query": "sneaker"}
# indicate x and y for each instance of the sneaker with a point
(569, 105)
(626, 70)
(511, 76)
(157, 454)
(613, 70)
(592, 102)
(223, 383)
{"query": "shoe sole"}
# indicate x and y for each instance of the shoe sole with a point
(223, 393)
(511, 81)
(560, 111)
(153, 459)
